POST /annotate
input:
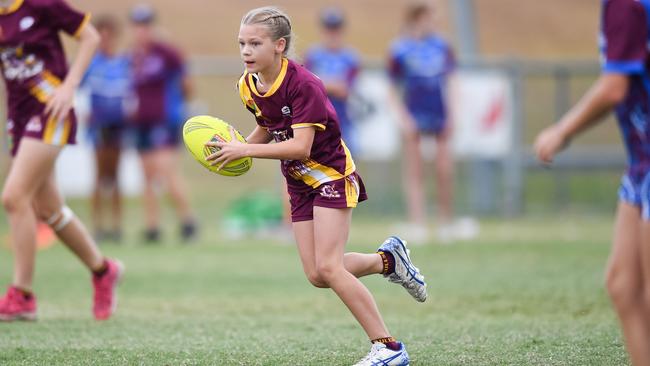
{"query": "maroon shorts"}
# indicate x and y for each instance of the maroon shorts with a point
(342, 193)
(39, 126)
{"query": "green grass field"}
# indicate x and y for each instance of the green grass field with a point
(528, 292)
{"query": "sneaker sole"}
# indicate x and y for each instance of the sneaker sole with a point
(29, 317)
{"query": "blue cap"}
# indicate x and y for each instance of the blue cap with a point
(332, 18)
(142, 14)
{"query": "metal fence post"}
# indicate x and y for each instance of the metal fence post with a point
(513, 169)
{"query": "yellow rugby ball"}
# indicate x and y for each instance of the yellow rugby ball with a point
(201, 129)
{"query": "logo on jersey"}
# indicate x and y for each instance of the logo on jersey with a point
(250, 104)
(19, 65)
(286, 111)
(328, 191)
(280, 135)
(26, 23)
(10, 125)
(34, 125)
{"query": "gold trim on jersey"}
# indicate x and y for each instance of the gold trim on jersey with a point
(57, 131)
(11, 8)
(352, 191)
(349, 163)
(319, 126)
(246, 97)
(276, 84)
(314, 174)
(85, 21)
(44, 89)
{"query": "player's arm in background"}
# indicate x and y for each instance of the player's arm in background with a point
(451, 93)
(396, 74)
(60, 103)
(626, 53)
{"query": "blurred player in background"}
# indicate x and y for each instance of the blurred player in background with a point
(41, 121)
(108, 81)
(624, 86)
(162, 85)
(337, 65)
(420, 63)
(291, 107)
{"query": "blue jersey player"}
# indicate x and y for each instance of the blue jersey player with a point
(624, 86)
(420, 63)
(108, 81)
(337, 66)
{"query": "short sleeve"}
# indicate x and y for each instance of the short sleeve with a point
(63, 17)
(309, 104)
(625, 34)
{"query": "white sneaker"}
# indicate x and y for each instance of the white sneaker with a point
(380, 355)
(406, 274)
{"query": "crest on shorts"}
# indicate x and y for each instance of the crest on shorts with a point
(328, 191)
(34, 124)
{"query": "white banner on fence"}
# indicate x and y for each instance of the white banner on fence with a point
(482, 109)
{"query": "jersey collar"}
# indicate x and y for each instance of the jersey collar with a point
(276, 84)
(11, 8)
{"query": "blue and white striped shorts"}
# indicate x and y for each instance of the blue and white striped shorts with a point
(636, 193)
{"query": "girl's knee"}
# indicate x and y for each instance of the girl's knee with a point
(623, 289)
(327, 272)
(14, 201)
(316, 280)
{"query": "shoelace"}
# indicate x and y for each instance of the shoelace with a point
(411, 270)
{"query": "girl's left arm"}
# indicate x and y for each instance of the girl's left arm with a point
(60, 103)
(296, 148)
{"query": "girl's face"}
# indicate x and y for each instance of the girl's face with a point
(258, 51)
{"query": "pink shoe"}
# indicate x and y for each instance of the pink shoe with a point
(15, 306)
(105, 299)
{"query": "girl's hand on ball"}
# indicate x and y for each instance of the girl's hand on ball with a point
(228, 151)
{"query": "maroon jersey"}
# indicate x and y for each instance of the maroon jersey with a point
(298, 99)
(32, 59)
(157, 77)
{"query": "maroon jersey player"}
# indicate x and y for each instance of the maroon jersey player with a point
(40, 89)
(291, 108)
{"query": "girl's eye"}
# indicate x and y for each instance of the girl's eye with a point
(241, 43)
(256, 44)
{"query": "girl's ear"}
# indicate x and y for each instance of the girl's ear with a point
(280, 45)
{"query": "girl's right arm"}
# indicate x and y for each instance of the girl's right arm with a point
(259, 136)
